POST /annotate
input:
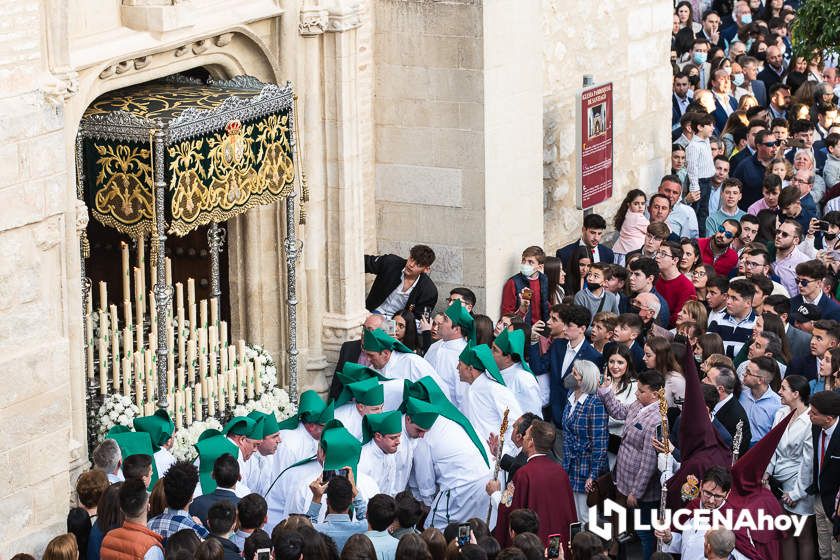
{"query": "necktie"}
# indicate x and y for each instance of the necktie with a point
(822, 451)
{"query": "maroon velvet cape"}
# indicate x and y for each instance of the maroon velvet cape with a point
(543, 486)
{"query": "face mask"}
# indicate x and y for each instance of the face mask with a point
(746, 19)
(738, 79)
(570, 383)
(694, 80)
(593, 287)
(699, 58)
(526, 269)
(681, 338)
(831, 236)
(762, 56)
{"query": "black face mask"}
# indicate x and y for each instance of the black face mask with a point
(694, 80)
(830, 236)
(593, 287)
(762, 56)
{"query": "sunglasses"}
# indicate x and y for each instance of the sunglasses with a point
(770, 144)
(727, 234)
(803, 282)
(783, 234)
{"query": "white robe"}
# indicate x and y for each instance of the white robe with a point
(260, 472)
(163, 460)
(295, 445)
(350, 417)
(525, 388)
(484, 405)
(379, 466)
(302, 497)
(443, 357)
(280, 502)
(412, 367)
(404, 458)
(450, 474)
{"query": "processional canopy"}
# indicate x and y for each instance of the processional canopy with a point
(229, 146)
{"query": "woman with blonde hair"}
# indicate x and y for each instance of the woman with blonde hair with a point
(747, 102)
(692, 312)
(737, 119)
(63, 547)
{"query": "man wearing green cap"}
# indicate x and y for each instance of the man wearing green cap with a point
(161, 430)
(338, 449)
(383, 443)
(299, 437)
(449, 465)
(395, 360)
(246, 434)
(509, 352)
(456, 327)
(358, 400)
(261, 464)
(487, 396)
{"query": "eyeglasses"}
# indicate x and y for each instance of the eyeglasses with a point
(770, 144)
(713, 495)
(663, 254)
(752, 264)
(803, 282)
(783, 234)
(725, 232)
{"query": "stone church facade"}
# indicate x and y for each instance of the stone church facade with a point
(448, 123)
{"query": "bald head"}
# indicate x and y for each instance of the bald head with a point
(774, 57)
(649, 300)
(374, 321)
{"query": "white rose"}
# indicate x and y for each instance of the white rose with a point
(122, 420)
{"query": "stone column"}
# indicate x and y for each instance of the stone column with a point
(345, 211)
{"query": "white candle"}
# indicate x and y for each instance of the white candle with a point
(90, 341)
(126, 272)
(202, 365)
(223, 334)
(126, 380)
(250, 380)
(232, 363)
(170, 343)
(202, 314)
(179, 310)
(240, 384)
(231, 387)
(115, 355)
(151, 375)
(191, 361)
(258, 370)
(214, 312)
(103, 366)
(198, 400)
(191, 304)
(188, 405)
(168, 272)
(181, 378)
(202, 340)
(103, 296)
(213, 338)
(211, 396)
(211, 360)
(128, 340)
(179, 409)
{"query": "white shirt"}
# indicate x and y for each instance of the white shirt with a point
(443, 358)
(397, 299)
(682, 221)
(402, 366)
(569, 358)
(485, 402)
(241, 489)
(260, 473)
(524, 387)
(596, 254)
(380, 466)
(689, 543)
(163, 460)
(720, 404)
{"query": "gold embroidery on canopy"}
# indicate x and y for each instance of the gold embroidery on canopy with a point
(124, 202)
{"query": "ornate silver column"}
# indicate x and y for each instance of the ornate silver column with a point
(216, 241)
(291, 245)
(163, 293)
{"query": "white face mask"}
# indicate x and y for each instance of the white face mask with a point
(526, 269)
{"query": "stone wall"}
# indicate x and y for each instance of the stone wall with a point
(454, 136)
(35, 418)
(627, 44)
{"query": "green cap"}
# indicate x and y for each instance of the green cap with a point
(243, 426)
(368, 392)
(385, 423)
(352, 372)
(513, 343)
(481, 358)
(159, 426)
(378, 340)
(311, 408)
(460, 317)
(267, 422)
(341, 449)
(211, 445)
(134, 443)
(422, 413)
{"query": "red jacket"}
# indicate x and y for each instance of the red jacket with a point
(724, 264)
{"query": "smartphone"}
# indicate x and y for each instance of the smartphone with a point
(331, 474)
(263, 554)
(823, 225)
(554, 545)
(574, 529)
(464, 531)
(390, 327)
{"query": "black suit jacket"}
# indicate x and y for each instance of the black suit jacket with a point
(827, 482)
(728, 415)
(511, 464)
(201, 505)
(349, 352)
(388, 270)
(769, 78)
(605, 254)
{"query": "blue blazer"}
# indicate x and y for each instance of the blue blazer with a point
(806, 366)
(720, 113)
(551, 363)
(829, 309)
(565, 254)
(759, 92)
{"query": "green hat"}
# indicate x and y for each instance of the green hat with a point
(159, 426)
(211, 445)
(268, 423)
(481, 358)
(460, 317)
(134, 443)
(368, 392)
(352, 372)
(311, 408)
(341, 449)
(384, 423)
(513, 343)
(243, 426)
(422, 413)
(378, 340)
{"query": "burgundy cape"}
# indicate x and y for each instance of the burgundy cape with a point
(748, 493)
(543, 486)
(700, 444)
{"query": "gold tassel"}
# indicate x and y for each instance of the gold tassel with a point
(83, 238)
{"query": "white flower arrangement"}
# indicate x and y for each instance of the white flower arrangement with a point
(268, 376)
(185, 438)
(274, 400)
(116, 410)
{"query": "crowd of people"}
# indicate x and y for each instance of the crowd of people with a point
(692, 362)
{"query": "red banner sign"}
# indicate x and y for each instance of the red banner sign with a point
(595, 141)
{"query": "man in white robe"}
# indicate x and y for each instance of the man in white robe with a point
(381, 443)
(487, 396)
(262, 462)
(455, 328)
(366, 397)
(509, 352)
(161, 430)
(246, 434)
(450, 464)
(395, 362)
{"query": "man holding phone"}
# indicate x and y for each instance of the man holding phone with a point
(541, 485)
